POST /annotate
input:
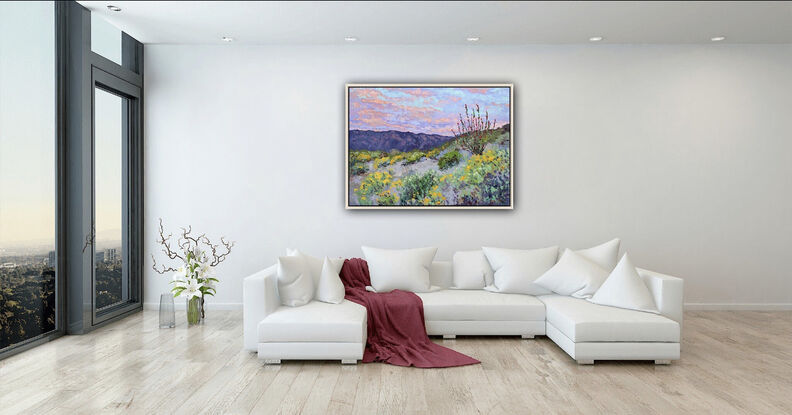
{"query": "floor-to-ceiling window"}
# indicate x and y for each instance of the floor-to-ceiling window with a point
(112, 280)
(29, 306)
(70, 172)
(115, 143)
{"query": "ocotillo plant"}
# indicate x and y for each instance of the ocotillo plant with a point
(473, 130)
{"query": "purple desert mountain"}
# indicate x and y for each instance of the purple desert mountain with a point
(394, 140)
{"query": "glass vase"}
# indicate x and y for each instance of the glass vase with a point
(167, 312)
(194, 310)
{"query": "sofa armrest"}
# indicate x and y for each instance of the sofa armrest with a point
(667, 292)
(259, 299)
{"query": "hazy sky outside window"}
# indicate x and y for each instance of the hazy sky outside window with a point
(108, 164)
(27, 124)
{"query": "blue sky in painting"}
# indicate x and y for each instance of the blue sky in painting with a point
(422, 110)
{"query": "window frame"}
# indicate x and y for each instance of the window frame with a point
(83, 68)
(131, 218)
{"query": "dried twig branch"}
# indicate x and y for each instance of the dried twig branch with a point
(162, 269)
(216, 259)
(187, 243)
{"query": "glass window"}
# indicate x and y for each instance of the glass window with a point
(27, 171)
(112, 283)
(105, 38)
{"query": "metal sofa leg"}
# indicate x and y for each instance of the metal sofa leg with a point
(527, 336)
(272, 361)
(349, 361)
(662, 362)
(585, 361)
(449, 336)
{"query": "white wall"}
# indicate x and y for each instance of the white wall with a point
(684, 152)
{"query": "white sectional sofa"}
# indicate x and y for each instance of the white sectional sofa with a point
(586, 331)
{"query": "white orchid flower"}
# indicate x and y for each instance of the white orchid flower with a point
(192, 289)
(205, 270)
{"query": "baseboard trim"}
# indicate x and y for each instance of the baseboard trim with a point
(181, 304)
(738, 306)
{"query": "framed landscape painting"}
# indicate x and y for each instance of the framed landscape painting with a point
(429, 146)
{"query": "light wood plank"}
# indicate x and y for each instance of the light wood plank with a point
(732, 362)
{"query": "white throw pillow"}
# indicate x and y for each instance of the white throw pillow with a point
(330, 288)
(399, 269)
(295, 284)
(605, 255)
(516, 269)
(471, 270)
(625, 288)
(573, 275)
(314, 264)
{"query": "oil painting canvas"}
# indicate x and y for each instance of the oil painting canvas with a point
(429, 146)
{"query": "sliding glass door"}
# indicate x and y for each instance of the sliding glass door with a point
(29, 302)
(111, 286)
(115, 115)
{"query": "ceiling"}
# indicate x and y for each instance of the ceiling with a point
(434, 22)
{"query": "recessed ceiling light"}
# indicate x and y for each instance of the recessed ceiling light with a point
(718, 38)
(473, 39)
(113, 8)
(227, 39)
(595, 38)
(351, 39)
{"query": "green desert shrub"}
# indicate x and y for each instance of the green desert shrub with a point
(363, 156)
(449, 159)
(414, 157)
(493, 191)
(372, 185)
(388, 198)
(358, 168)
(421, 189)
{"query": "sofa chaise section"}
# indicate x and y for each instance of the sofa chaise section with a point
(315, 331)
(589, 332)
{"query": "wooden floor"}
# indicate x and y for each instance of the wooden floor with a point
(732, 362)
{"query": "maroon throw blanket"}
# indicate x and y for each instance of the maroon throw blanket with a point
(396, 331)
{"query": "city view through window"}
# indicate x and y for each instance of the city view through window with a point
(27, 178)
(27, 171)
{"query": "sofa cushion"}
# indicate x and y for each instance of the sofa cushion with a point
(625, 288)
(480, 305)
(582, 321)
(295, 283)
(313, 263)
(330, 289)
(605, 255)
(315, 322)
(440, 274)
(471, 270)
(573, 275)
(517, 269)
(399, 269)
